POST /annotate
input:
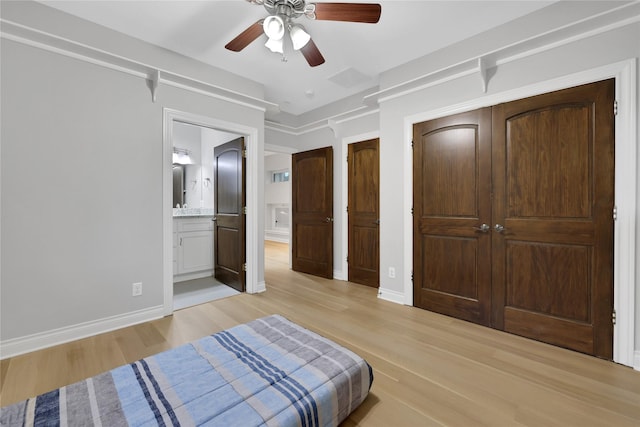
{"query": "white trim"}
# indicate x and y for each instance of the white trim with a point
(452, 72)
(636, 361)
(569, 33)
(191, 276)
(327, 122)
(625, 73)
(626, 190)
(344, 232)
(260, 287)
(17, 346)
(271, 238)
(252, 181)
(392, 296)
(277, 235)
(407, 212)
(280, 149)
(67, 47)
(339, 275)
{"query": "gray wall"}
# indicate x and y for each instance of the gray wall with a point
(81, 186)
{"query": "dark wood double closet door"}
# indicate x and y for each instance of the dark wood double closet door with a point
(513, 217)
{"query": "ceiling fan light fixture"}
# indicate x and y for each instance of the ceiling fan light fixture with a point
(299, 36)
(274, 27)
(275, 45)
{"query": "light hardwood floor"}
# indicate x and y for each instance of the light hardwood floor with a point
(429, 369)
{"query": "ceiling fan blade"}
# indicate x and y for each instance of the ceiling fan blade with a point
(312, 54)
(246, 37)
(352, 12)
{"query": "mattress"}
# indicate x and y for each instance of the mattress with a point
(266, 372)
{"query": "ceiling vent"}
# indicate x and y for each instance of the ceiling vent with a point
(349, 78)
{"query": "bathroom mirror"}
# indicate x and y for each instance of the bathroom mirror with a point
(187, 185)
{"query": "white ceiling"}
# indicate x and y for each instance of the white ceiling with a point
(200, 29)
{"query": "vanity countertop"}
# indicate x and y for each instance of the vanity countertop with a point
(192, 212)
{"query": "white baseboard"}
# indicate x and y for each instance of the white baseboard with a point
(191, 276)
(636, 360)
(276, 239)
(389, 295)
(16, 346)
(260, 287)
(339, 275)
(275, 235)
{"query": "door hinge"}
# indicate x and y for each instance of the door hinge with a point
(411, 275)
(613, 317)
(244, 153)
(244, 267)
(244, 210)
(347, 260)
(615, 107)
(615, 213)
(347, 208)
(411, 210)
(412, 144)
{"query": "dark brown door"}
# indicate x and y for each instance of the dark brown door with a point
(312, 203)
(544, 174)
(452, 213)
(229, 225)
(553, 194)
(364, 212)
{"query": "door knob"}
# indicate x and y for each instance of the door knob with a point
(328, 219)
(483, 228)
(214, 219)
(377, 222)
(499, 228)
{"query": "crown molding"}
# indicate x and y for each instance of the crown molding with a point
(606, 21)
(280, 149)
(156, 76)
(331, 122)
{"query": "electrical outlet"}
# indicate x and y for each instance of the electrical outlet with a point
(136, 289)
(392, 272)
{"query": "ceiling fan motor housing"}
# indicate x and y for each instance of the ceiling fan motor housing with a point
(289, 8)
(281, 15)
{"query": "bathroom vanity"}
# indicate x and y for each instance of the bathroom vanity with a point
(192, 244)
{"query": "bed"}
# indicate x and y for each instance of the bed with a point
(266, 372)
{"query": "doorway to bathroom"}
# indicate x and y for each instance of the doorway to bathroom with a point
(201, 208)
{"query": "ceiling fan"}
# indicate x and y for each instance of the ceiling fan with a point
(282, 14)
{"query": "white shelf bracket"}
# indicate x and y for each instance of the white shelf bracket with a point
(155, 80)
(482, 68)
(333, 125)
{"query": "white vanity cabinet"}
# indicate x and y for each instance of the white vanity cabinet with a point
(192, 248)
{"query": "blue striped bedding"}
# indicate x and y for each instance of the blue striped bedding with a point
(266, 372)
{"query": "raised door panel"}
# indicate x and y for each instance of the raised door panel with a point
(553, 194)
(311, 185)
(227, 250)
(452, 248)
(549, 163)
